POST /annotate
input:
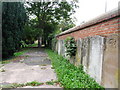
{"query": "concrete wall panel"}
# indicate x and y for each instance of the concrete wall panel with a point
(96, 57)
(110, 63)
(85, 53)
(78, 52)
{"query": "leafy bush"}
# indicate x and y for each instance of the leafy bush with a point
(69, 75)
(70, 45)
(23, 44)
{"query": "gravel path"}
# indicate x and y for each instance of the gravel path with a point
(36, 67)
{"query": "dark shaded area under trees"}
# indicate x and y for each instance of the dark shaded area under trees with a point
(13, 20)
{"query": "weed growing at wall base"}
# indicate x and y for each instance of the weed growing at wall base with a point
(69, 75)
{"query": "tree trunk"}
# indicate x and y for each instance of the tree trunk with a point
(39, 42)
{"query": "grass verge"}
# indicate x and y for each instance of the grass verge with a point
(70, 76)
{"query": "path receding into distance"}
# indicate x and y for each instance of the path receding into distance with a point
(35, 66)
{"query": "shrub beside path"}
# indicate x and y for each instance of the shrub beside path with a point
(36, 66)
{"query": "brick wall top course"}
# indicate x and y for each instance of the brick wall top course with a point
(104, 17)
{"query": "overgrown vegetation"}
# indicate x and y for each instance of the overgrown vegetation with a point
(69, 75)
(52, 82)
(71, 47)
(33, 83)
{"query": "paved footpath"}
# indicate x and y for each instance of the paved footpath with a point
(35, 66)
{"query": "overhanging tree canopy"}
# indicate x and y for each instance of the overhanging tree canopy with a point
(50, 13)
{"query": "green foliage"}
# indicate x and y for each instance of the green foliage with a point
(69, 75)
(70, 45)
(4, 62)
(20, 53)
(66, 24)
(33, 83)
(31, 32)
(32, 45)
(23, 44)
(13, 20)
(54, 40)
(14, 85)
(49, 15)
(50, 83)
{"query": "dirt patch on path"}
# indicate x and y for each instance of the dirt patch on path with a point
(36, 67)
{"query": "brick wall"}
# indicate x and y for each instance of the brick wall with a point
(104, 25)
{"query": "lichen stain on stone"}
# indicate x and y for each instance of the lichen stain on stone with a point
(112, 42)
(77, 60)
(117, 73)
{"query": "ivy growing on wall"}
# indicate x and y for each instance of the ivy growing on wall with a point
(71, 47)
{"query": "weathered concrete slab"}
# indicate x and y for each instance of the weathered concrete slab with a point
(110, 63)
(79, 52)
(85, 53)
(96, 57)
(35, 68)
(22, 73)
(56, 46)
(63, 48)
(38, 61)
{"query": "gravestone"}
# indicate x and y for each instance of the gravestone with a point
(96, 57)
(110, 63)
(78, 53)
(85, 53)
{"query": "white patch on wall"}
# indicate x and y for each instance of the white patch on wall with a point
(59, 47)
(96, 57)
